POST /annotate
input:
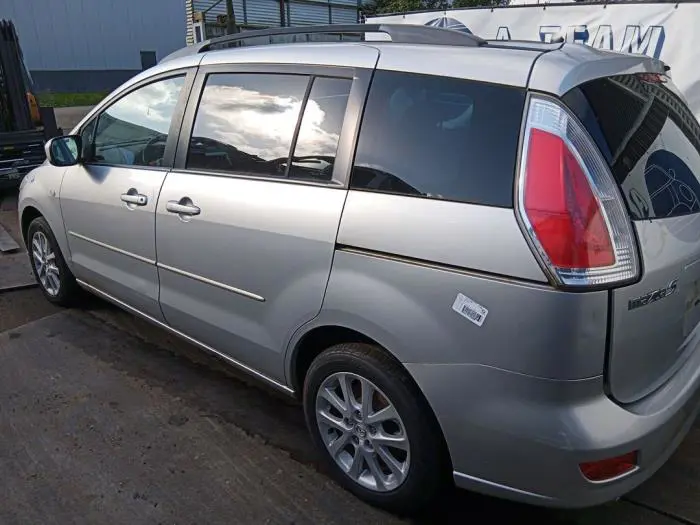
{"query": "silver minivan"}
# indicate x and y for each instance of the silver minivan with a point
(476, 262)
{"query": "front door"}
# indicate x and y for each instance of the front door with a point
(245, 232)
(109, 200)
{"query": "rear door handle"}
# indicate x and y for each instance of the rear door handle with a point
(134, 197)
(182, 207)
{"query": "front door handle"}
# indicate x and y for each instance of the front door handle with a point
(183, 207)
(134, 198)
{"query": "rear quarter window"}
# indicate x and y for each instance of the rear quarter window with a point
(441, 138)
(650, 139)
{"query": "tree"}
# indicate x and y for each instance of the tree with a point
(377, 7)
(476, 3)
(230, 18)
(435, 4)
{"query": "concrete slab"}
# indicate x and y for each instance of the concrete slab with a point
(8, 201)
(19, 307)
(15, 272)
(9, 221)
(86, 438)
(101, 424)
(7, 243)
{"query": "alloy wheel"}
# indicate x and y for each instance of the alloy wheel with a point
(44, 260)
(363, 431)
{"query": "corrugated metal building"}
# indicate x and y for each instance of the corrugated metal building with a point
(95, 45)
(254, 14)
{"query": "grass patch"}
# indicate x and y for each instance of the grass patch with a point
(64, 100)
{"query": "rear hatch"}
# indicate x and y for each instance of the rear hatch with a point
(651, 141)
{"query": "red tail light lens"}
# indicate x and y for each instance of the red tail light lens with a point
(562, 209)
(570, 204)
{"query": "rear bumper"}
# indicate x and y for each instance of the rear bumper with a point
(523, 438)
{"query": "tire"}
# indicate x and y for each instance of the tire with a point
(39, 234)
(428, 470)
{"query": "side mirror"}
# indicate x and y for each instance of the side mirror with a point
(64, 151)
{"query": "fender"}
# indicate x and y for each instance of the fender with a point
(40, 189)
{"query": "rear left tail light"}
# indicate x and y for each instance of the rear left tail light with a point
(569, 203)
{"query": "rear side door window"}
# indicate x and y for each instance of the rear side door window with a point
(246, 123)
(134, 130)
(319, 133)
(440, 138)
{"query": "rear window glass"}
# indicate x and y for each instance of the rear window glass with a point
(441, 138)
(650, 139)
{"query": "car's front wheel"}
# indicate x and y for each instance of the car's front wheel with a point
(50, 269)
(374, 428)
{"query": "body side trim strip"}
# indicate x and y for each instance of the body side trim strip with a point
(186, 337)
(172, 269)
(438, 266)
(217, 284)
(112, 248)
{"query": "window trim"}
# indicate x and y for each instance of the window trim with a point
(92, 135)
(169, 156)
(297, 127)
(359, 89)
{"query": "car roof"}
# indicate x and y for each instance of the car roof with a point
(504, 65)
(551, 67)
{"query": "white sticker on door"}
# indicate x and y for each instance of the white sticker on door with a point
(470, 309)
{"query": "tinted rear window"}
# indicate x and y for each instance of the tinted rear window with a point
(441, 138)
(650, 139)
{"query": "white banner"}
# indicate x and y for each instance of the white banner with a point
(663, 30)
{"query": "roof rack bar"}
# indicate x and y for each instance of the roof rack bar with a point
(399, 33)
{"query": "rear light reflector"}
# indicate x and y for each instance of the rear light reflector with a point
(569, 203)
(611, 468)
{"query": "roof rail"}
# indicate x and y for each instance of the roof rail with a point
(399, 33)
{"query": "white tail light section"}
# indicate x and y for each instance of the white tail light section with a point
(569, 203)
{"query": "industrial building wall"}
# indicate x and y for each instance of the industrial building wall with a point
(93, 45)
(266, 13)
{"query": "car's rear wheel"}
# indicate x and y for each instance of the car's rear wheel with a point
(50, 269)
(374, 428)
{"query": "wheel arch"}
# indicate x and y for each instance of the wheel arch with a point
(34, 204)
(315, 340)
(335, 327)
(29, 213)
